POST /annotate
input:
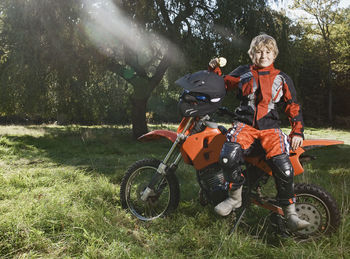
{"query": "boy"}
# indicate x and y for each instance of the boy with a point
(261, 87)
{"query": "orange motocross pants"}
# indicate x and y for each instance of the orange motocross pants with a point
(273, 141)
(276, 146)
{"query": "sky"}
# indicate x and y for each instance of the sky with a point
(297, 13)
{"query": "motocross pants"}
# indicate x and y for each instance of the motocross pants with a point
(276, 147)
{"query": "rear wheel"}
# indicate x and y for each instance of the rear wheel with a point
(163, 199)
(319, 208)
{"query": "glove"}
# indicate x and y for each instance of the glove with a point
(214, 63)
(217, 62)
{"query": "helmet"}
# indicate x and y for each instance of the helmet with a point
(203, 93)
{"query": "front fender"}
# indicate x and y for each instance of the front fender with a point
(157, 134)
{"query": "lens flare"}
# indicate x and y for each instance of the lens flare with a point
(113, 33)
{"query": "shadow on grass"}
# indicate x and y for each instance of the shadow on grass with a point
(102, 150)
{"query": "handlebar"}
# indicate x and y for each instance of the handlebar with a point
(204, 121)
(225, 111)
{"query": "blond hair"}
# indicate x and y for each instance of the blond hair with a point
(262, 40)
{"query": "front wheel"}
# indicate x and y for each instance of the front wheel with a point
(163, 198)
(319, 208)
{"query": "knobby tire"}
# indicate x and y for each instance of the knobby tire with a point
(313, 192)
(125, 189)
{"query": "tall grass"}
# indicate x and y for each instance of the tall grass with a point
(59, 189)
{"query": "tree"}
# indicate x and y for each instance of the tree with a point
(139, 38)
(50, 71)
(84, 61)
(324, 12)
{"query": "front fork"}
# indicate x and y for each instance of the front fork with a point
(166, 165)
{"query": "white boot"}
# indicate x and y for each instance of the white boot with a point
(293, 221)
(233, 202)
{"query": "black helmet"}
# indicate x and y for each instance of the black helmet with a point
(203, 93)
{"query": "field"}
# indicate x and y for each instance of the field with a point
(59, 198)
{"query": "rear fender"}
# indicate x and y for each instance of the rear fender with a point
(157, 134)
(294, 155)
(307, 145)
(315, 143)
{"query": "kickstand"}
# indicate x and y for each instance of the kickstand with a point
(238, 220)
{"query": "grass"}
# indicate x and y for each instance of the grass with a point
(59, 198)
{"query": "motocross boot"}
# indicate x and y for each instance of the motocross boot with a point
(233, 202)
(294, 223)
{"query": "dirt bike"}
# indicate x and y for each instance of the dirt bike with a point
(150, 188)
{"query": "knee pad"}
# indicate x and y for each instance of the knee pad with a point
(282, 167)
(231, 155)
(283, 173)
(231, 159)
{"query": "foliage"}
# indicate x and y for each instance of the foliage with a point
(50, 71)
(97, 62)
(59, 199)
(328, 29)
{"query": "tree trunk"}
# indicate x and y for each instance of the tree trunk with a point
(330, 103)
(138, 117)
(330, 92)
(143, 87)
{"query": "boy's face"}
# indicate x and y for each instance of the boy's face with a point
(263, 57)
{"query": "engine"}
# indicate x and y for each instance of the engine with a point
(212, 183)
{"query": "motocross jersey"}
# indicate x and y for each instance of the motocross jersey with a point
(259, 91)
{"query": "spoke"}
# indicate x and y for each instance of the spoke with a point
(153, 209)
(157, 202)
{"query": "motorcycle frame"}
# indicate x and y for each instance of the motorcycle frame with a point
(203, 149)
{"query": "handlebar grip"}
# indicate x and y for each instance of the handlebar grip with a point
(222, 129)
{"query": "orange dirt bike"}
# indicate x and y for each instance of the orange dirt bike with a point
(150, 188)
